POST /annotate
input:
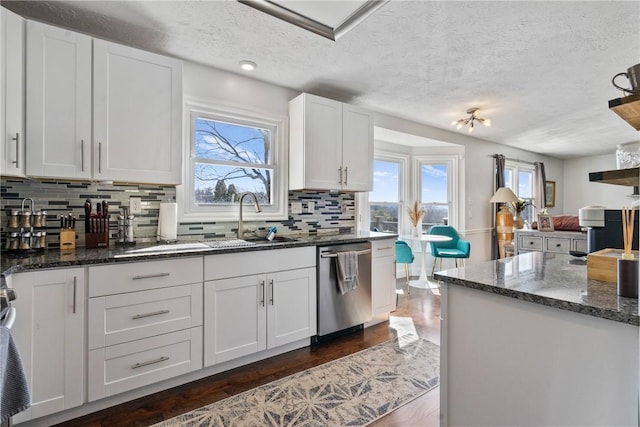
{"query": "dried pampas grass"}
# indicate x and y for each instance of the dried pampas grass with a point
(415, 213)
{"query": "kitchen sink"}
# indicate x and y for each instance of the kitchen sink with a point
(168, 248)
(277, 239)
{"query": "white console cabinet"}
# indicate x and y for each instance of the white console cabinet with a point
(550, 241)
(50, 335)
(100, 110)
(257, 301)
(330, 145)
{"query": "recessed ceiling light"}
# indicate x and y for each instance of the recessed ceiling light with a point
(248, 65)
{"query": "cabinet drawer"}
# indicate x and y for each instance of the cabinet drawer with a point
(382, 248)
(138, 276)
(579, 245)
(530, 243)
(555, 244)
(258, 262)
(123, 367)
(115, 319)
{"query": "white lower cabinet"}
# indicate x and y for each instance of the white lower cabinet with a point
(383, 276)
(50, 335)
(144, 324)
(258, 311)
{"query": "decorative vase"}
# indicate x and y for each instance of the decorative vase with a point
(415, 230)
(518, 222)
(628, 278)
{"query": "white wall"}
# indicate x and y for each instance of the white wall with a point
(579, 192)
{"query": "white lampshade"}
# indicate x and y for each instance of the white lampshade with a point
(503, 195)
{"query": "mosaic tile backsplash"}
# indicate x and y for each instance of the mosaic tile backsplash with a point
(334, 212)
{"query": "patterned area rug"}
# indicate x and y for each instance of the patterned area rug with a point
(352, 391)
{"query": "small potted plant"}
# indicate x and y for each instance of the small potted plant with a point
(518, 207)
(415, 216)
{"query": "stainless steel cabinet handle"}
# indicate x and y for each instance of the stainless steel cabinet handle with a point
(272, 296)
(75, 286)
(82, 154)
(99, 157)
(17, 160)
(346, 174)
(150, 276)
(385, 248)
(340, 172)
(262, 293)
(150, 362)
(155, 313)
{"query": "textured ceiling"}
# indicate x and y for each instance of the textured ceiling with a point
(541, 71)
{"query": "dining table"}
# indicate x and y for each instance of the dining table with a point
(423, 280)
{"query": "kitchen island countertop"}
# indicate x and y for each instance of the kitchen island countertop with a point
(55, 258)
(550, 279)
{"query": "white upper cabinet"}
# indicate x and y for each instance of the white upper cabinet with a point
(330, 145)
(58, 102)
(137, 124)
(12, 37)
(99, 110)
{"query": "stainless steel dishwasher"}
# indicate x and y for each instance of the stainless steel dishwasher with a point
(339, 313)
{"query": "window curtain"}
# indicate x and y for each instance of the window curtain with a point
(541, 188)
(500, 162)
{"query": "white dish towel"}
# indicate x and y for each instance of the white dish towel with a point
(347, 271)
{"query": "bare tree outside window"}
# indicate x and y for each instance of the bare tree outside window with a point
(230, 159)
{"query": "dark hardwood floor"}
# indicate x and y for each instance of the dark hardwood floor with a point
(418, 312)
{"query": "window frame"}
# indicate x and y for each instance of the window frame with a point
(401, 161)
(452, 162)
(362, 198)
(188, 210)
(515, 168)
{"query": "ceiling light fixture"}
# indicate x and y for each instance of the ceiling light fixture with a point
(473, 117)
(248, 65)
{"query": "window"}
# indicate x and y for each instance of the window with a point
(520, 178)
(437, 190)
(231, 152)
(384, 200)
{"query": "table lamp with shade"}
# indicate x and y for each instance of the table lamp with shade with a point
(504, 217)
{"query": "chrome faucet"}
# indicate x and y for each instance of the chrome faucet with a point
(258, 209)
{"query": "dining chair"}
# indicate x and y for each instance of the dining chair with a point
(456, 248)
(404, 255)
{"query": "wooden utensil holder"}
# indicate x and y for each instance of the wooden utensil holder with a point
(67, 239)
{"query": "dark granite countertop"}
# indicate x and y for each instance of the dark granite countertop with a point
(554, 280)
(53, 258)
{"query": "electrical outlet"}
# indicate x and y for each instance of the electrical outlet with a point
(296, 207)
(311, 207)
(135, 205)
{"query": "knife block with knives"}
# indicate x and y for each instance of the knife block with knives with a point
(67, 232)
(96, 225)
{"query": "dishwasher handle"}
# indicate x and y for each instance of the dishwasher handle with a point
(335, 254)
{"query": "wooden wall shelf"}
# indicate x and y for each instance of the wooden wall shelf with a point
(628, 108)
(629, 177)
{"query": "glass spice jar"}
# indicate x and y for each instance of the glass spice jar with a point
(25, 241)
(42, 239)
(13, 220)
(37, 219)
(25, 219)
